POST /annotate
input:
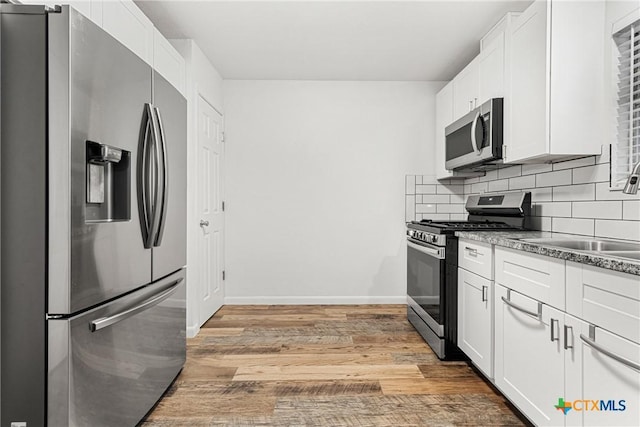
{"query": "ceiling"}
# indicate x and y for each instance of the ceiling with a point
(332, 40)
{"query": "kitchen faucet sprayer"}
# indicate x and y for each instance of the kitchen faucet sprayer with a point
(631, 187)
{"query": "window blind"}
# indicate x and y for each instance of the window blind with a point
(626, 150)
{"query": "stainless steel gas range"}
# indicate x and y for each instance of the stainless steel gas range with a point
(432, 265)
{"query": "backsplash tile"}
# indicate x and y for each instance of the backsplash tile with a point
(569, 197)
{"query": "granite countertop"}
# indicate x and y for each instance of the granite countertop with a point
(510, 239)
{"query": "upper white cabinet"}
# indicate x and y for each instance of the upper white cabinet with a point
(444, 117)
(126, 22)
(554, 105)
(91, 9)
(491, 69)
(168, 62)
(465, 90)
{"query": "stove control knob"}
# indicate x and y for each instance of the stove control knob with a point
(434, 239)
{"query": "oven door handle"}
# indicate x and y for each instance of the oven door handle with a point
(427, 250)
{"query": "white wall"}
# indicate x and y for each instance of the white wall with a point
(202, 80)
(315, 183)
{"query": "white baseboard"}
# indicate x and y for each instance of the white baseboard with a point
(299, 300)
(192, 331)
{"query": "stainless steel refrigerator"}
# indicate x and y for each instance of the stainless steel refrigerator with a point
(93, 209)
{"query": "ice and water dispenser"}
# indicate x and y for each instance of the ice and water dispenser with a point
(108, 183)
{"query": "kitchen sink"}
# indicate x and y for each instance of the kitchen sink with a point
(627, 250)
(590, 245)
(625, 254)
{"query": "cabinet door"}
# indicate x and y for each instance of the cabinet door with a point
(593, 375)
(444, 117)
(465, 90)
(529, 358)
(491, 70)
(126, 22)
(475, 319)
(526, 106)
(168, 62)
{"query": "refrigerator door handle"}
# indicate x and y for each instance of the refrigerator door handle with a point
(145, 176)
(105, 322)
(154, 178)
(164, 180)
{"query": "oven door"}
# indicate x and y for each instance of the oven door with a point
(425, 283)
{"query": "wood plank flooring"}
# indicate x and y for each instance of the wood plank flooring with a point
(328, 365)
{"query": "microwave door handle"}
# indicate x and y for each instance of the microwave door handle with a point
(474, 142)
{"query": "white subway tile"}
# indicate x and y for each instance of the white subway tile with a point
(467, 188)
(425, 208)
(604, 210)
(435, 198)
(573, 226)
(585, 161)
(510, 172)
(551, 179)
(428, 179)
(419, 179)
(631, 210)
(458, 198)
(499, 185)
(410, 184)
(426, 189)
(472, 180)
(489, 176)
(628, 230)
(532, 169)
(541, 194)
(603, 193)
(574, 192)
(410, 208)
(459, 217)
(437, 216)
(451, 209)
(480, 187)
(560, 209)
(450, 189)
(540, 223)
(595, 173)
(528, 181)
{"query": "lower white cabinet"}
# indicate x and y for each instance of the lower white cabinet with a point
(529, 357)
(602, 376)
(475, 319)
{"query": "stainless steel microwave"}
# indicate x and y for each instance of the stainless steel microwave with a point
(475, 140)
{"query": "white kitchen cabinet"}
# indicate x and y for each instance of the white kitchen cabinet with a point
(491, 69)
(538, 276)
(465, 90)
(475, 319)
(168, 62)
(554, 107)
(130, 26)
(476, 257)
(591, 374)
(606, 298)
(91, 9)
(529, 356)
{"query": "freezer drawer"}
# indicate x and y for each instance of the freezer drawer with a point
(109, 366)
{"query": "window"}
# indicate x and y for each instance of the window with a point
(626, 150)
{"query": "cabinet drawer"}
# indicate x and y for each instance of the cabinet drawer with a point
(539, 277)
(476, 257)
(606, 298)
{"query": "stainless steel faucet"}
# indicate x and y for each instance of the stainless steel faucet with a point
(631, 187)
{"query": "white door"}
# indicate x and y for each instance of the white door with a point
(210, 211)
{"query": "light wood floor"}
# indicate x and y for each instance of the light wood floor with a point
(322, 366)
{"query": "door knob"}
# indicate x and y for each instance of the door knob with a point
(204, 223)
